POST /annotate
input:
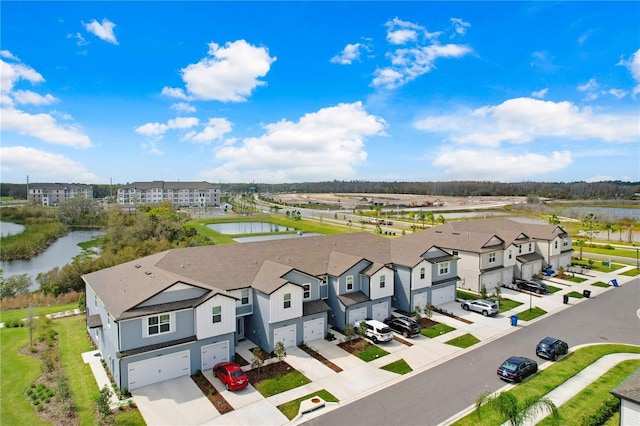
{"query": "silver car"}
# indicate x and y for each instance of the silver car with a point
(485, 307)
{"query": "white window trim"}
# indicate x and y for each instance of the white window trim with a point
(492, 257)
(440, 268)
(308, 292)
(213, 314)
(383, 280)
(242, 297)
(349, 278)
(145, 324)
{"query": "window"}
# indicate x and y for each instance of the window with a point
(216, 313)
(95, 302)
(307, 291)
(422, 273)
(244, 297)
(443, 268)
(519, 249)
(382, 281)
(510, 254)
(556, 243)
(454, 252)
(350, 282)
(565, 242)
(158, 324)
(287, 300)
(492, 257)
(530, 246)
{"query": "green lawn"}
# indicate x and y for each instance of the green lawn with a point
(291, 408)
(507, 304)
(551, 377)
(578, 280)
(371, 352)
(631, 272)
(552, 289)
(17, 314)
(436, 330)
(601, 284)
(575, 294)
(398, 367)
(528, 315)
(465, 295)
(281, 383)
(589, 400)
(463, 341)
(18, 372)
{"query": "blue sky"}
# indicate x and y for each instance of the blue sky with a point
(278, 92)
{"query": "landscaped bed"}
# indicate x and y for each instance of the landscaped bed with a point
(211, 393)
(275, 378)
(363, 349)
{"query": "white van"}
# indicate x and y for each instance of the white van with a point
(375, 330)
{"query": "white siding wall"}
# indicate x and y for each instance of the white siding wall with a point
(514, 252)
(416, 282)
(468, 270)
(629, 413)
(276, 301)
(499, 256)
(204, 317)
(387, 291)
(238, 294)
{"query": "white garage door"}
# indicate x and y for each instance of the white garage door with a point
(154, 370)
(527, 271)
(286, 335)
(313, 330)
(213, 354)
(380, 311)
(443, 295)
(357, 315)
(419, 300)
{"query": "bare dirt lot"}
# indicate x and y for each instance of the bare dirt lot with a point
(353, 201)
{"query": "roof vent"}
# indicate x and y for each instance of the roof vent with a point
(138, 265)
(148, 273)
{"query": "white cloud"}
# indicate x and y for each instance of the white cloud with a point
(157, 130)
(498, 165)
(43, 165)
(589, 86)
(44, 127)
(103, 30)
(215, 129)
(183, 107)
(633, 64)
(33, 98)
(226, 74)
(174, 92)
(460, 26)
(7, 54)
(327, 144)
(618, 93)
(80, 41)
(11, 73)
(350, 53)
(409, 64)
(523, 120)
(402, 32)
(540, 93)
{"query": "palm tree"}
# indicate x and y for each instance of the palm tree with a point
(422, 216)
(441, 219)
(431, 217)
(608, 226)
(511, 410)
(580, 244)
(554, 220)
(590, 222)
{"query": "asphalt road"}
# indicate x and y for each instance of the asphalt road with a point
(435, 395)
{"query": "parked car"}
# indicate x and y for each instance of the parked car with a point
(375, 330)
(231, 375)
(403, 325)
(517, 368)
(552, 348)
(533, 285)
(485, 307)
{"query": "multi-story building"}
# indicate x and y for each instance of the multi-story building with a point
(52, 194)
(180, 194)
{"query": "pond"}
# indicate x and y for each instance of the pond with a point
(235, 228)
(274, 237)
(8, 228)
(61, 252)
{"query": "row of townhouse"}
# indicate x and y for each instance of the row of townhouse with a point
(180, 194)
(176, 312)
(53, 194)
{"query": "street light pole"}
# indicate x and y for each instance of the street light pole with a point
(637, 262)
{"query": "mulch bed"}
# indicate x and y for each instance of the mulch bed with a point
(261, 354)
(401, 340)
(212, 394)
(240, 361)
(320, 358)
(354, 346)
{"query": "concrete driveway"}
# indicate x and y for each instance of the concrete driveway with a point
(174, 402)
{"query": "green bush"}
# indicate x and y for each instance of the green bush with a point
(606, 410)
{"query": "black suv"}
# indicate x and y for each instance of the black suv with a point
(533, 285)
(551, 348)
(403, 325)
(517, 368)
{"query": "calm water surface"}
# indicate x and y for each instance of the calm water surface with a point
(233, 228)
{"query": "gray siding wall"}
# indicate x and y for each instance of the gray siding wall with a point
(106, 337)
(258, 325)
(355, 271)
(131, 331)
(244, 310)
(402, 289)
(337, 316)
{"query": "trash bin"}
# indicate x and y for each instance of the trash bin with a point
(614, 282)
(514, 320)
(565, 299)
(586, 293)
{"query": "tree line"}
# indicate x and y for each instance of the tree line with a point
(555, 190)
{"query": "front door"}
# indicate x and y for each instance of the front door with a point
(240, 329)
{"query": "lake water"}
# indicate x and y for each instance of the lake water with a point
(234, 228)
(61, 252)
(274, 237)
(8, 228)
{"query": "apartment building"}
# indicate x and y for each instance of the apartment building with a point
(53, 194)
(179, 194)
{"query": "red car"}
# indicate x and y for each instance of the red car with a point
(231, 375)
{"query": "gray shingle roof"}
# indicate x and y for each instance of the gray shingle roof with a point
(629, 389)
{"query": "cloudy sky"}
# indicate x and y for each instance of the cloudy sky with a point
(277, 92)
